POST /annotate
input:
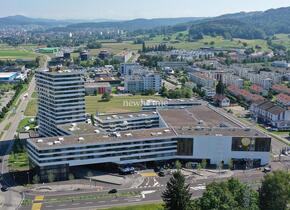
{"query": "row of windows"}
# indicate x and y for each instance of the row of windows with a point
(105, 155)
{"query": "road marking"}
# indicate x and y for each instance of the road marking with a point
(148, 174)
(89, 202)
(39, 198)
(36, 206)
(198, 188)
(143, 193)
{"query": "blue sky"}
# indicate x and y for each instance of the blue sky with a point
(130, 9)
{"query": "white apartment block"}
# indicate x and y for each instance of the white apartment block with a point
(202, 79)
(60, 100)
(144, 82)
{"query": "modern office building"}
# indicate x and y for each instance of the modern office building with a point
(60, 100)
(188, 134)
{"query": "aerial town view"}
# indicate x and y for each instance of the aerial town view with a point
(144, 105)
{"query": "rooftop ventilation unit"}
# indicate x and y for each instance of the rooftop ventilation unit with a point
(39, 141)
(167, 131)
(49, 143)
(128, 134)
(57, 142)
(97, 131)
(61, 139)
(81, 139)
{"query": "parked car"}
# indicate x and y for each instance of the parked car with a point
(4, 188)
(267, 170)
(161, 174)
(112, 191)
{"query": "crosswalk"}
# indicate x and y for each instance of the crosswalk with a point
(149, 182)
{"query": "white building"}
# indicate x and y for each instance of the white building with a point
(202, 79)
(61, 99)
(140, 83)
(270, 113)
(189, 134)
(127, 69)
(281, 64)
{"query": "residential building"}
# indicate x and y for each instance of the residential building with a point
(124, 56)
(269, 113)
(222, 101)
(128, 69)
(281, 64)
(202, 79)
(143, 82)
(100, 88)
(283, 99)
(209, 92)
(281, 89)
(61, 99)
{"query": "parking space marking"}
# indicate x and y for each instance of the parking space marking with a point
(36, 206)
(39, 198)
(148, 174)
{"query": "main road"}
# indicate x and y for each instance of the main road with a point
(11, 199)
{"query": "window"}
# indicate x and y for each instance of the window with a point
(185, 147)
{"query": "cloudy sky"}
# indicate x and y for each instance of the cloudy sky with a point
(130, 9)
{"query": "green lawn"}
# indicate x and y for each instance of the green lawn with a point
(94, 104)
(16, 54)
(31, 108)
(140, 207)
(25, 122)
(117, 104)
(219, 42)
(18, 161)
(282, 39)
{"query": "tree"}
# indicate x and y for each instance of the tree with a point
(106, 96)
(220, 88)
(275, 191)
(50, 177)
(178, 165)
(203, 163)
(177, 195)
(71, 177)
(35, 179)
(228, 195)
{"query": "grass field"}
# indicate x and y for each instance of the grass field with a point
(282, 39)
(218, 41)
(94, 104)
(117, 104)
(16, 54)
(140, 207)
(18, 162)
(31, 108)
(25, 122)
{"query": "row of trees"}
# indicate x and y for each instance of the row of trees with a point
(274, 194)
(177, 93)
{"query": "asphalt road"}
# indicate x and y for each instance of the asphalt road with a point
(11, 199)
(149, 191)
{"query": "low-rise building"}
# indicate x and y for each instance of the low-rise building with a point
(281, 64)
(97, 88)
(209, 92)
(269, 113)
(283, 99)
(222, 101)
(123, 57)
(8, 76)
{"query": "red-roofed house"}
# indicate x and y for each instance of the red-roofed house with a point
(283, 99)
(222, 100)
(281, 89)
(256, 89)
